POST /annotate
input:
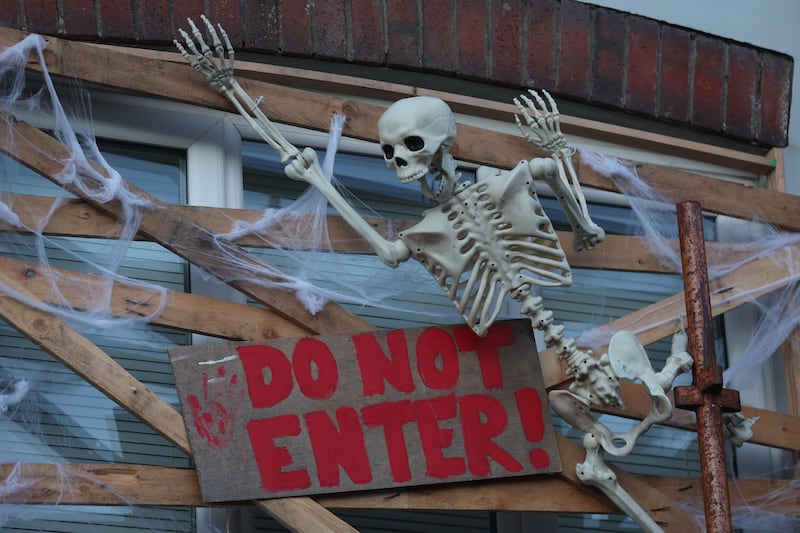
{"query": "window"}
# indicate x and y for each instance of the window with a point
(188, 155)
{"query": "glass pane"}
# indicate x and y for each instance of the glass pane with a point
(61, 418)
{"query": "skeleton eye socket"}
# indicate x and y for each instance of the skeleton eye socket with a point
(388, 151)
(414, 143)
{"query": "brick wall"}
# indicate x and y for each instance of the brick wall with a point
(577, 51)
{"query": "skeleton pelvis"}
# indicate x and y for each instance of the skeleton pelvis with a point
(489, 239)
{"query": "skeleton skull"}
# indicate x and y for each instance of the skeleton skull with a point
(412, 131)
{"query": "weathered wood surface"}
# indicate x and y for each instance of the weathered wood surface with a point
(479, 107)
(181, 235)
(184, 311)
(91, 363)
(256, 437)
(76, 218)
(239, 322)
(180, 82)
(88, 361)
(110, 484)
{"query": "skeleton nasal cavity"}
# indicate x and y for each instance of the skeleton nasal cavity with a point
(412, 132)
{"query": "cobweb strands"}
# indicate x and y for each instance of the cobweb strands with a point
(754, 240)
(84, 169)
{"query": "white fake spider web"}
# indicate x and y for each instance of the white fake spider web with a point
(17, 390)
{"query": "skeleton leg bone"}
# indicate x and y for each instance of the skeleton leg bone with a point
(595, 472)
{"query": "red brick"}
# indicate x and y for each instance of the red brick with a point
(186, 9)
(673, 80)
(573, 61)
(368, 44)
(79, 18)
(438, 35)
(41, 16)
(642, 65)
(741, 91)
(402, 38)
(609, 57)
(116, 19)
(330, 29)
(261, 25)
(9, 15)
(506, 60)
(707, 97)
(775, 97)
(228, 13)
(472, 23)
(296, 27)
(540, 44)
(152, 21)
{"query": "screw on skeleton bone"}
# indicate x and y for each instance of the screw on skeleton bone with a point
(257, 103)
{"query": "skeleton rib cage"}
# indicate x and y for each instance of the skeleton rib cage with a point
(490, 239)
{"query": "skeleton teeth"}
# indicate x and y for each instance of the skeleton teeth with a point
(413, 177)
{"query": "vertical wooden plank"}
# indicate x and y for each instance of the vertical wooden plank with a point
(790, 349)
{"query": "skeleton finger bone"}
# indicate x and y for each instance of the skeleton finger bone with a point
(541, 121)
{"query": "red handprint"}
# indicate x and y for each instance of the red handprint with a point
(214, 420)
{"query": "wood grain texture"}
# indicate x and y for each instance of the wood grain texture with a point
(113, 484)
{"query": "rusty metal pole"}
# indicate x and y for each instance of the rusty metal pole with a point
(706, 396)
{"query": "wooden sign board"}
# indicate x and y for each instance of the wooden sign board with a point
(339, 413)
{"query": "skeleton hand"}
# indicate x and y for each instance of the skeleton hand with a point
(213, 64)
(543, 123)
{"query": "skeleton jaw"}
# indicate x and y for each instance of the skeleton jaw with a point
(411, 175)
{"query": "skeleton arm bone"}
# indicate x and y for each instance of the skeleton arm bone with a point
(542, 128)
(306, 167)
(587, 234)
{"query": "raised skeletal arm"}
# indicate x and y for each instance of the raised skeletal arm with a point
(306, 167)
(542, 127)
(216, 64)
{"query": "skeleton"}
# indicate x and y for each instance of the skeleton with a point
(485, 241)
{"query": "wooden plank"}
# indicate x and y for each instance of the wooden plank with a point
(95, 366)
(764, 270)
(181, 235)
(659, 320)
(91, 363)
(620, 135)
(313, 110)
(76, 218)
(188, 312)
(234, 321)
(116, 484)
(326, 418)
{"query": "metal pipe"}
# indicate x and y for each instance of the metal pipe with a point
(706, 396)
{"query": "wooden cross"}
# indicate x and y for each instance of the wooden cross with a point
(706, 395)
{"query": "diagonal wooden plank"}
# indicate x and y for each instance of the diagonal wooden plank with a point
(480, 107)
(656, 321)
(235, 321)
(180, 234)
(113, 68)
(84, 358)
(188, 312)
(95, 366)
